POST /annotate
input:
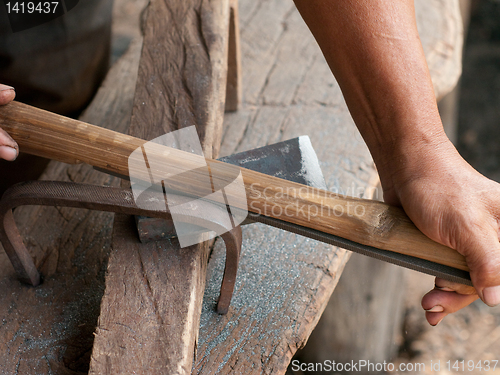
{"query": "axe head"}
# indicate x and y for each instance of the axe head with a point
(294, 160)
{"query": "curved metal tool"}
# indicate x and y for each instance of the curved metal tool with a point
(111, 199)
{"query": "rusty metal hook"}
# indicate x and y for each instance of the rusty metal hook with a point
(111, 199)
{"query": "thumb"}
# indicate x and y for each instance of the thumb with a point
(483, 259)
(7, 94)
(9, 149)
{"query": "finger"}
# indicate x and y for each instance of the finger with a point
(7, 94)
(8, 147)
(439, 303)
(450, 286)
(450, 302)
(434, 318)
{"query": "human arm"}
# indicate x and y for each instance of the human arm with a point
(373, 48)
(8, 147)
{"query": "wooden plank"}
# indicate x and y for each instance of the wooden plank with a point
(234, 84)
(294, 57)
(49, 329)
(441, 28)
(151, 307)
(284, 280)
(175, 64)
(261, 36)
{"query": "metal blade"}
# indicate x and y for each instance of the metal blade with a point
(293, 160)
(413, 263)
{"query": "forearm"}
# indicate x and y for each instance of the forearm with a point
(373, 48)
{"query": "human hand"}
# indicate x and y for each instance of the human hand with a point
(374, 50)
(454, 205)
(8, 147)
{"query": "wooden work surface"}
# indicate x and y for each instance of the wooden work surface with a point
(151, 306)
(49, 329)
(284, 280)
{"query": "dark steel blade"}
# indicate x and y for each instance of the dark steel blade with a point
(417, 264)
(293, 160)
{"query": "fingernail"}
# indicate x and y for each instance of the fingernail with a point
(5, 88)
(436, 308)
(491, 295)
(444, 289)
(8, 153)
(439, 321)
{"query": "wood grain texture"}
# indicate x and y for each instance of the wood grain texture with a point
(182, 78)
(150, 311)
(234, 84)
(49, 329)
(441, 31)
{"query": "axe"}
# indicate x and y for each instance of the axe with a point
(283, 184)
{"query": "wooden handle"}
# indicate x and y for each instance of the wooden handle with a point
(60, 138)
(364, 221)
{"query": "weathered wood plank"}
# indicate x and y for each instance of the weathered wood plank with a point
(261, 36)
(151, 308)
(49, 329)
(185, 42)
(284, 280)
(234, 84)
(441, 28)
(149, 318)
(294, 57)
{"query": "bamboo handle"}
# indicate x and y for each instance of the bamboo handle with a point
(364, 221)
(60, 138)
